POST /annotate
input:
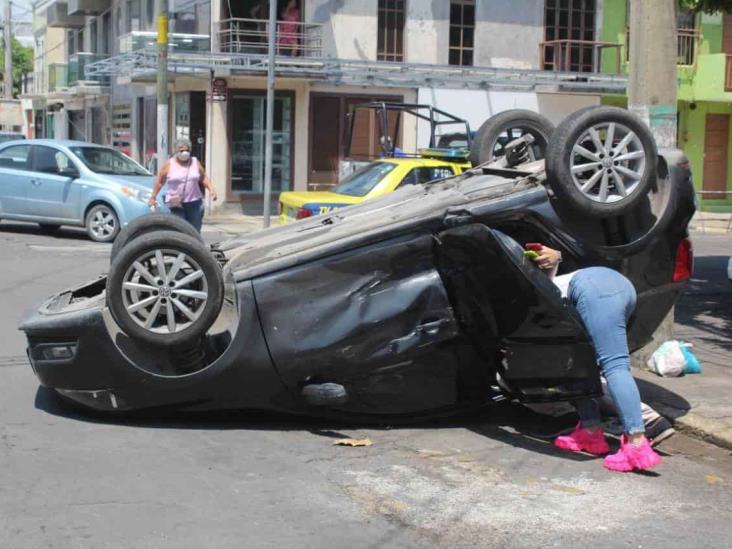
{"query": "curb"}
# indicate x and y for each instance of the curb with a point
(700, 427)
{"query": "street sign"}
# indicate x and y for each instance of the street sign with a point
(219, 90)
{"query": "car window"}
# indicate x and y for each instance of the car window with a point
(108, 161)
(49, 160)
(418, 176)
(15, 157)
(361, 182)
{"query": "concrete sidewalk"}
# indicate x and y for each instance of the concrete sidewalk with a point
(698, 404)
(701, 403)
(710, 222)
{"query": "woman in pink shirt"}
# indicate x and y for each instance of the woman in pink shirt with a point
(187, 183)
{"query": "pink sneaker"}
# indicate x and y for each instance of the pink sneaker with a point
(631, 457)
(582, 440)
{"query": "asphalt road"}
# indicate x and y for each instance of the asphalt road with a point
(69, 480)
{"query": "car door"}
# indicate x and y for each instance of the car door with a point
(375, 320)
(14, 180)
(52, 194)
(516, 316)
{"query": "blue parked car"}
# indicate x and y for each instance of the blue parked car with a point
(56, 183)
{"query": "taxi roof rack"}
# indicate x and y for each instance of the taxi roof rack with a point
(434, 116)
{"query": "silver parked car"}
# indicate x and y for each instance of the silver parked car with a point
(56, 183)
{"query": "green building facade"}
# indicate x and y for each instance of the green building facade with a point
(704, 96)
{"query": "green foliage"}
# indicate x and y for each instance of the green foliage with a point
(22, 63)
(707, 6)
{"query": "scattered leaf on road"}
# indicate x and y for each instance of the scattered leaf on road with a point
(353, 442)
(713, 479)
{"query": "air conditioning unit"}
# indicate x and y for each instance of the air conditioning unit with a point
(88, 7)
(57, 16)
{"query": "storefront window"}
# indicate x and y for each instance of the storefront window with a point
(183, 115)
(248, 135)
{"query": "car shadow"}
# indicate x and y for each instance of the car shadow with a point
(706, 305)
(63, 233)
(508, 422)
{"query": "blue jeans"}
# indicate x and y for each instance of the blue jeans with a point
(605, 300)
(191, 212)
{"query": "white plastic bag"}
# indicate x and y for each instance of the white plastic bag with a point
(668, 360)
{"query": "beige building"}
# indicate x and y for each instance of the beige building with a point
(469, 57)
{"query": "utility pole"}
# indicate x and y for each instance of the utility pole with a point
(653, 82)
(162, 111)
(8, 52)
(272, 28)
(652, 95)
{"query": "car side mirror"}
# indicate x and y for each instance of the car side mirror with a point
(69, 171)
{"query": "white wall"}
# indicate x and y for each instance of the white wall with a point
(349, 27)
(476, 106)
(426, 32)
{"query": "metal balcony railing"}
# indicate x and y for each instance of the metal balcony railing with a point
(576, 55)
(58, 77)
(77, 69)
(177, 42)
(250, 36)
(687, 44)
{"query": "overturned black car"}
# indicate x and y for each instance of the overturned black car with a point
(418, 302)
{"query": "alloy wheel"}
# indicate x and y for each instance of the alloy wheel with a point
(164, 291)
(103, 224)
(607, 162)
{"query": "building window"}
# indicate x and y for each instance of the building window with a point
(569, 31)
(391, 30)
(71, 41)
(133, 15)
(462, 31)
(107, 33)
(93, 36)
(150, 14)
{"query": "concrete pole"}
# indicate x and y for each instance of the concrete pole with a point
(7, 32)
(653, 82)
(652, 96)
(162, 111)
(272, 27)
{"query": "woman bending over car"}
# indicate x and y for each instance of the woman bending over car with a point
(604, 299)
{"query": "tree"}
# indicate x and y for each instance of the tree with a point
(22, 63)
(707, 6)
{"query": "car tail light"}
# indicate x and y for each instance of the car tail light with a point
(684, 261)
(302, 213)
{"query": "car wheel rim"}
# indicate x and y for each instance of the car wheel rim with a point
(103, 224)
(607, 162)
(514, 132)
(164, 291)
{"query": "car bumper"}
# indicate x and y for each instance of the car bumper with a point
(132, 209)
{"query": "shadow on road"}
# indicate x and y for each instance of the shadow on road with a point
(706, 305)
(63, 233)
(507, 422)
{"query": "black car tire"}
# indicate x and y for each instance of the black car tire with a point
(162, 292)
(485, 139)
(49, 228)
(603, 160)
(149, 223)
(98, 215)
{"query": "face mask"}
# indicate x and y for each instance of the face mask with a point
(184, 156)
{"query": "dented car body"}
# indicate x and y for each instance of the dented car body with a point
(418, 302)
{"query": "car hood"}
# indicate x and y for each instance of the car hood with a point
(142, 181)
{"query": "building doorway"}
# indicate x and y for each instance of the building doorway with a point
(247, 130)
(716, 145)
(328, 135)
(190, 121)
